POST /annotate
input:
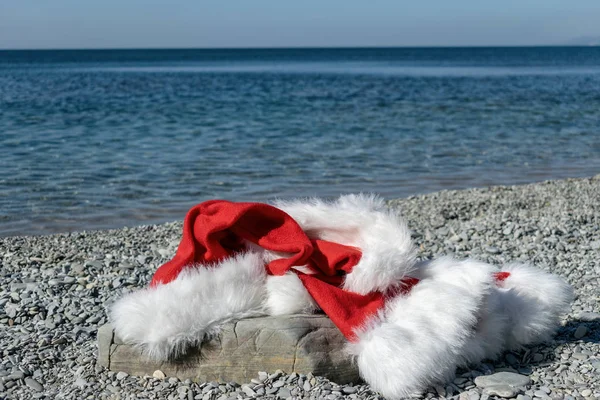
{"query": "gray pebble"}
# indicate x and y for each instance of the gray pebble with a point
(505, 391)
(349, 389)
(122, 375)
(248, 390)
(580, 332)
(80, 383)
(474, 396)
(112, 388)
(511, 359)
(541, 394)
(307, 386)
(278, 384)
(33, 384)
(272, 390)
(14, 376)
(502, 378)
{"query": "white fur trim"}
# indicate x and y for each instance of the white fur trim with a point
(533, 300)
(287, 295)
(362, 221)
(423, 335)
(167, 319)
(456, 315)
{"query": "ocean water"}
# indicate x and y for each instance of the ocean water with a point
(110, 138)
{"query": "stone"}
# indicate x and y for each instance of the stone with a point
(122, 375)
(158, 374)
(33, 384)
(80, 383)
(293, 343)
(278, 384)
(586, 392)
(112, 388)
(307, 386)
(492, 250)
(272, 390)
(580, 332)
(511, 359)
(502, 378)
(248, 390)
(474, 396)
(505, 391)
(579, 356)
(15, 376)
(349, 389)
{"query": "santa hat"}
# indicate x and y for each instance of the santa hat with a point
(353, 259)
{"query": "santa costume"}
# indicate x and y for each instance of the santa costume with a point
(409, 324)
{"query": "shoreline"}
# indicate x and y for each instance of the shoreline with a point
(388, 199)
(55, 290)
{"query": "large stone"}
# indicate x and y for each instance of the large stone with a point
(295, 343)
(502, 378)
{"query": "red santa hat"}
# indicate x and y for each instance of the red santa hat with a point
(218, 229)
(409, 324)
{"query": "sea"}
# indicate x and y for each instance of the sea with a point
(94, 139)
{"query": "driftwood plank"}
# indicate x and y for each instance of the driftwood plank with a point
(295, 343)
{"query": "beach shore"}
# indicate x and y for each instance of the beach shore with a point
(55, 290)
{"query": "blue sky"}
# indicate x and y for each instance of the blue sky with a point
(280, 23)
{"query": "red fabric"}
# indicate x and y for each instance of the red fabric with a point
(346, 309)
(216, 229)
(501, 276)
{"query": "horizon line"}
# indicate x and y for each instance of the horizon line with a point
(294, 47)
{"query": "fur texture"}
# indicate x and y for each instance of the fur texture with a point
(362, 221)
(533, 301)
(287, 295)
(457, 315)
(421, 336)
(164, 321)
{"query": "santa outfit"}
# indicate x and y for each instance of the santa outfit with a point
(409, 324)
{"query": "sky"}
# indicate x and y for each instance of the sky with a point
(44, 24)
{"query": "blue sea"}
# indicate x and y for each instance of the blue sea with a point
(109, 138)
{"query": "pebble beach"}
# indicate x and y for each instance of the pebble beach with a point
(55, 290)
